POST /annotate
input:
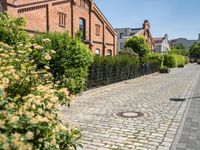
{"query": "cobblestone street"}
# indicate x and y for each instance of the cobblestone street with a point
(95, 111)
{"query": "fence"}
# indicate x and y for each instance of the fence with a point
(101, 75)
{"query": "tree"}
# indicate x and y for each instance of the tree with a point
(195, 50)
(139, 45)
(180, 49)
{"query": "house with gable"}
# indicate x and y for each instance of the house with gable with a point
(126, 33)
(66, 16)
(162, 44)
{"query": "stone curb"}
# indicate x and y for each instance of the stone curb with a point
(184, 107)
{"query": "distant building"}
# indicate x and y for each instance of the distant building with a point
(66, 16)
(187, 43)
(162, 44)
(126, 33)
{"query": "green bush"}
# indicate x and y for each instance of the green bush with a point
(30, 99)
(187, 60)
(138, 45)
(12, 30)
(164, 69)
(180, 66)
(169, 61)
(179, 49)
(155, 57)
(30, 102)
(173, 60)
(198, 61)
(195, 50)
(192, 60)
(128, 52)
(71, 61)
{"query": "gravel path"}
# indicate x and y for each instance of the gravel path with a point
(96, 111)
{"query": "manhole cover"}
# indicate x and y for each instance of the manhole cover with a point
(130, 114)
(177, 99)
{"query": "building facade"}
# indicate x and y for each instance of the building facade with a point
(126, 33)
(187, 43)
(162, 44)
(67, 16)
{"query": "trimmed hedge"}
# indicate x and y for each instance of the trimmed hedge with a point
(107, 70)
(174, 60)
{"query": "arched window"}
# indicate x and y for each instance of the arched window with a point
(97, 52)
(109, 52)
(82, 27)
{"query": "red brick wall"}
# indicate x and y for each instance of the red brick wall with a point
(81, 12)
(43, 16)
(54, 17)
(36, 20)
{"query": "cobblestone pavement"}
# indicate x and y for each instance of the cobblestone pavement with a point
(190, 135)
(95, 111)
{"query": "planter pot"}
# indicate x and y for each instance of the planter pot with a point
(164, 70)
(180, 66)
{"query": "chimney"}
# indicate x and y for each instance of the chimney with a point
(146, 24)
(166, 36)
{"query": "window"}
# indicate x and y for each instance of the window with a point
(97, 52)
(82, 27)
(122, 45)
(121, 35)
(98, 27)
(109, 53)
(62, 19)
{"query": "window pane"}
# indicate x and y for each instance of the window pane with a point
(82, 27)
(97, 52)
(109, 53)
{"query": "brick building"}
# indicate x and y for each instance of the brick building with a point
(66, 15)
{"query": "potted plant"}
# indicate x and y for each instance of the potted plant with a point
(164, 69)
(198, 61)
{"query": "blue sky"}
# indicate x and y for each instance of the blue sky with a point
(177, 18)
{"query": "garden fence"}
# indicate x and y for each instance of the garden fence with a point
(101, 75)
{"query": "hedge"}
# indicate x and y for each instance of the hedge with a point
(174, 60)
(107, 70)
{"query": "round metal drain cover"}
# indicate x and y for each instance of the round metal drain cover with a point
(130, 114)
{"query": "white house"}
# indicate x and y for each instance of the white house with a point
(162, 44)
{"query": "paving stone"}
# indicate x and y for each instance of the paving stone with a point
(94, 111)
(191, 130)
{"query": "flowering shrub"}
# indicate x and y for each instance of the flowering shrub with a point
(12, 30)
(70, 63)
(30, 102)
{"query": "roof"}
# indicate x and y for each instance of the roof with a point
(158, 38)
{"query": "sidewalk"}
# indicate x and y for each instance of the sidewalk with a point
(190, 136)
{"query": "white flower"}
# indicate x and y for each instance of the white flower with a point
(47, 57)
(29, 135)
